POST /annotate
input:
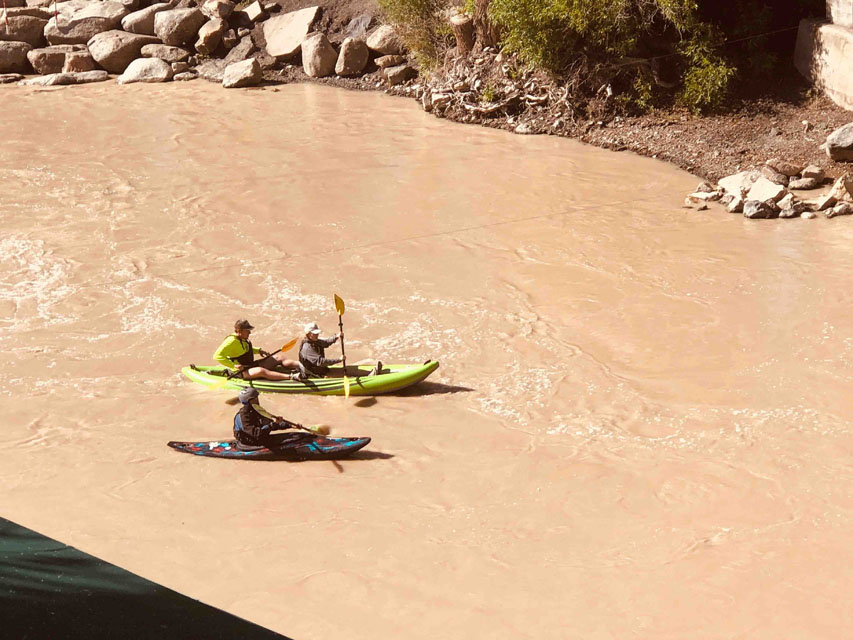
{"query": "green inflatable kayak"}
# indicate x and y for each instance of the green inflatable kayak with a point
(393, 378)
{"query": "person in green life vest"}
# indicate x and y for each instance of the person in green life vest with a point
(237, 353)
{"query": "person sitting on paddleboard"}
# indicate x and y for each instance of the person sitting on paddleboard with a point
(253, 424)
(238, 354)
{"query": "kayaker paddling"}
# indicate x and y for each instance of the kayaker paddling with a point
(237, 354)
(312, 352)
(253, 424)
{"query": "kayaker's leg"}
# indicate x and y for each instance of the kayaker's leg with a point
(259, 372)
(284, 361)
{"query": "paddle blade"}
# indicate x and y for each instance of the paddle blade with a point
(322, 429)
(289, 345)
(339, 305)
(346, 387)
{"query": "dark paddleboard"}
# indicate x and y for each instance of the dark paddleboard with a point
(287, 446)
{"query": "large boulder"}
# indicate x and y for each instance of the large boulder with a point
(44, 13)
(284, 34)
(79, 20)
(212, 70)
(146, 70)
(13, 57)
(210, 35)
(54, 79)
(51, 59)
(839, 144)
(352, 58)
(114, 50)
(318, 56)
(165, 52)
(242, 74)
(178, 26)
(739, 183)
(384, 41)
(142, 21)
(24, 29)
(217, 8)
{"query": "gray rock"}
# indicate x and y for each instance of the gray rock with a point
(739, 183)
(357, 27)
(55, 79)
(80, 20)
(212, 70)
(243, 50)
(114, 50)
(352, 58)
(825, 202)
(318, 56)
(180, 67)
(217, 8)
(248, 15)
(399, 74)
(13, 57)
(808, 215)
(736, 204)
(210, 35)
(763, 190)
(794, 210)
(803, 184)
(839, 144)
(36, 12)
(389, 61)
(815, 172)
(284, 34)
(754, 209)
(842, 188)
(184, 77)
(774, 176)
(8, 78)
(178, 26)
(27, 29)
(229, 39)
(142, 21)
(79, 62)
(146, 70)
(384, 41)
(784, 167)
(840, 209)
(165, 52)
(242, 74)
(51, 59)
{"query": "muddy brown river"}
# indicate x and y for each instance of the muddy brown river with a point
(641, 426)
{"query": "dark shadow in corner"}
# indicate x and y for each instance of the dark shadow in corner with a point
(51, 590)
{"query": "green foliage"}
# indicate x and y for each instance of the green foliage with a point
(488, 93)
(421, 26)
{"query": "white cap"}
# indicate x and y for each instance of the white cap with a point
(312, 327)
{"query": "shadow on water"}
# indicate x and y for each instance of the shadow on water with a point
(427, 388)
(51, 590)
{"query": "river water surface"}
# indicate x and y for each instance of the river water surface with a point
(640, 427)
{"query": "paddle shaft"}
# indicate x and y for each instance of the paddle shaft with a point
(343, 353)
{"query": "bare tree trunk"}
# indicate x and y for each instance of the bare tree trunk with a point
(463, 30)
(487, 33)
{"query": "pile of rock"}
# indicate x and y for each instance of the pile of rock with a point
(767, 192)
(76, 41)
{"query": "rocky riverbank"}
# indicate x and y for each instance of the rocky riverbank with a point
(342, 43)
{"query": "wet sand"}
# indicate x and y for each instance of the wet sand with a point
(640, 426)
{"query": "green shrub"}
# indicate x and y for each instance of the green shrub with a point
(421, 26)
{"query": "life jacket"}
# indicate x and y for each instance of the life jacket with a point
(249, 426)
(247, 358)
